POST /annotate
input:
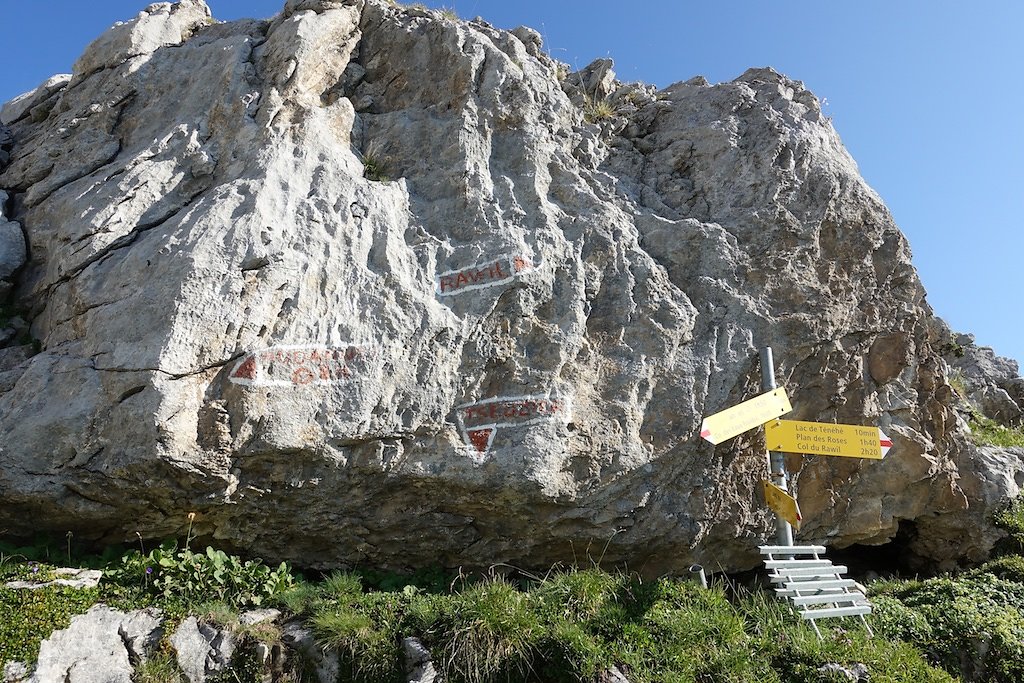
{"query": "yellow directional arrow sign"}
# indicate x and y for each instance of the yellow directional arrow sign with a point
(820, 438)
(782, 503)
(743, 416)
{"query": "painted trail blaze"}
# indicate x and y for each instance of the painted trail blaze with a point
(298, 365)
(480, 421)
(499, 271)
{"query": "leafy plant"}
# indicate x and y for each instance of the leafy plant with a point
(201, 577)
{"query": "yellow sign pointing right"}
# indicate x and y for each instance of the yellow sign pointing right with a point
(822, 438)
(743, 416)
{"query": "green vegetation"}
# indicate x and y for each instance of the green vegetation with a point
(195, 578)
(373, 169)
(1011, 520)
(986, 431)
(972, 624)
(28, 617)
(569, 626)
(958, 384)
(160, 668)
(574, 625)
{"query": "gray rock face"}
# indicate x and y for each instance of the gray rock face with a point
(324, 662)
(201, 649)
(100, 646)
(14, 672)
(503, 353)
(419, 665)
(66, 576)
(991, 384)
(12, 247)
(33, 102)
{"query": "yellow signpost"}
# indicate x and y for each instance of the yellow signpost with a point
(789, 436)
(743, 416)
(783, 504)
(819, 438)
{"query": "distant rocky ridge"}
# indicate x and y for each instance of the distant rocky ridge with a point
(365, 284)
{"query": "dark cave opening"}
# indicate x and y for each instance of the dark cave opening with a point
(892, 559)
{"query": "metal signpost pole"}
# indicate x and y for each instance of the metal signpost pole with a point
(783, 530)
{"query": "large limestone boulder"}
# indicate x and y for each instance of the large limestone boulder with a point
(361, 284)
(101, 646)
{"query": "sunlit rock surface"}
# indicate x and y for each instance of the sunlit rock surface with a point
(364, 284)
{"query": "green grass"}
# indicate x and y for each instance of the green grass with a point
(374, 168)
(569, 626)
(987, 432)
(161, 668)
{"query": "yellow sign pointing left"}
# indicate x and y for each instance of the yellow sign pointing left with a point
(743, 416)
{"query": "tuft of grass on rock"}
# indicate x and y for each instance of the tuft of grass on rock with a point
(487, 632)
(365, 630)
(598, 110)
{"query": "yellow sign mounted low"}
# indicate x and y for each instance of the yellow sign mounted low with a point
(821, 438)
(743, 416)
(782, 503)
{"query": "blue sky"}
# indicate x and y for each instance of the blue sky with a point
(928, 96)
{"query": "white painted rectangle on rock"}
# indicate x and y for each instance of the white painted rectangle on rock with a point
(480, 421)
(488, 274)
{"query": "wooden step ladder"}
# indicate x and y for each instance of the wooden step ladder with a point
(814, 586)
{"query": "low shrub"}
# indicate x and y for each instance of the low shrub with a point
(1008, 568)
(975, 624)
(27, 617)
